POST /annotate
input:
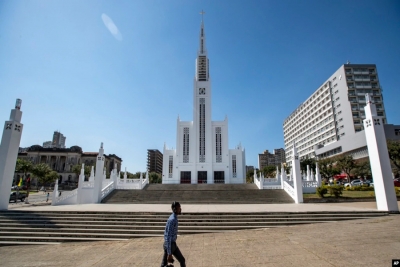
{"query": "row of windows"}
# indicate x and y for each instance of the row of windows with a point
(186, 145)
(316, 96)
(316, 109)
(202, 130)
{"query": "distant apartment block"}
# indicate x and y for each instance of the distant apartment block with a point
(58, 140)
(154, 161)
(271, 159)
(48, 144)
(249, 168)
(330, 121)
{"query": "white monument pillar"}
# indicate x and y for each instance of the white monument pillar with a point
(283, 175)
(80, 183)
(91, 178)
(317, 174)
(125, 176)
(55, 193)
(98, 178)
(297, 179)
(12, 132)
(378, 155)
(308, 178)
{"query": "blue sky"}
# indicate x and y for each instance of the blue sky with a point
(126, 89)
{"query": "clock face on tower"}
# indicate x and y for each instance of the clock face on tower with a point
(202, 91)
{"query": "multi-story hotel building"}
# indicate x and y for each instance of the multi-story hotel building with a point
(154, 161)
(267, 159)
(330, 121)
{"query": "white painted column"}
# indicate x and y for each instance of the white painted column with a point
(98, 178)
(55, 193)
(125, 176)
(385, 194)
(308, 178)
(297, 179)
(10, 140)
(91, 178)
(277, 173)
(283, 175)
(317, 174)
(81, 180)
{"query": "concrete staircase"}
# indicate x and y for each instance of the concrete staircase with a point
(199, 194)
(54, 227)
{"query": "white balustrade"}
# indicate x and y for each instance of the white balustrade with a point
(107, 190)
(66, 197)
(289, 189)
(88, 184)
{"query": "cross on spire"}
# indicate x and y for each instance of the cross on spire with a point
(202, 15)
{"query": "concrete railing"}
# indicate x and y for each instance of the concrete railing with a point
(289, 188)
(66, 197)
(89, 184)
(257, 182)
(107, 189)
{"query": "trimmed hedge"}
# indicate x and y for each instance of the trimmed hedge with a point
(359, 188)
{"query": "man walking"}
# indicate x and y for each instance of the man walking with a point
(170, 236)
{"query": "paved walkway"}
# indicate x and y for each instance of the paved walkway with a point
(305, 207)
(368, 242)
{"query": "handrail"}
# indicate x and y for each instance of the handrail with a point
(66, 195)
(289, 188)
(107, 190)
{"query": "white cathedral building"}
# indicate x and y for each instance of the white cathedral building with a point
(202, 154)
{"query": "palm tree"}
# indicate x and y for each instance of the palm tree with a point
(40, 171)
(25, 166)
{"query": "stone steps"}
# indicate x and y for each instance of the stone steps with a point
(20, 227)
(199, 194)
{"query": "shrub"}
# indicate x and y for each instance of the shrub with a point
(335, 190)
(397, 190)
(321, 191)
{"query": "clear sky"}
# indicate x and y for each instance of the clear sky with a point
(120, 72)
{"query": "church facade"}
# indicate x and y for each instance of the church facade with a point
(202, 154)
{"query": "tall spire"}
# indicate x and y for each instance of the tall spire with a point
(202, 47)
(202, 66)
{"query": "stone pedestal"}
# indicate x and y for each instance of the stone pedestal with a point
(9, 146)
(385, 195)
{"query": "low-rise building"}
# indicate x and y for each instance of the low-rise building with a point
(62, 160)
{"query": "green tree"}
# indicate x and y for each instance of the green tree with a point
(77, 170)
(40, 171)
(363, 169)
(24, 166)
(154, 178)
(327, 169)
(50, 177)
(394, 152)
(269, 171)
(346, 164)
(250, 177)
(307, 161)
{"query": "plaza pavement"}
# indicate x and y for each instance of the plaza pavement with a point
(367, 242)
